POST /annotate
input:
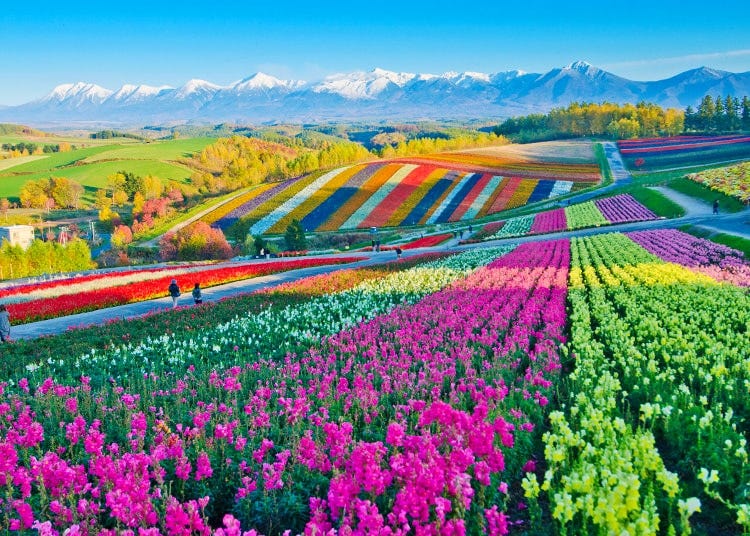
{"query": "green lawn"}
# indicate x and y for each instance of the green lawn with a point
(92, 165)
(657, 202)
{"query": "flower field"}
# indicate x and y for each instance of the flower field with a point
(653, 154)
(30, 303)
(560, 387)
(622, 208)
(425, 190)
(733, 181)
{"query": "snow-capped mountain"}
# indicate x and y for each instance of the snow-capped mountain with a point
(375, 94)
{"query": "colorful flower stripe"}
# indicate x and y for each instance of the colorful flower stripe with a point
(225, 209)
(70, 286)
(623, 208)
(428, 176)
(390, 203)
(484, 198)
(429, 203)
(312, 198)
(428, 241)
(561, 188)
(447, 200)
(421, 199)
(509, 186)
(62, 283)
(248, 209)
(666, 146)
(585, 214)
(364, 183)
(473, 162)
(542, 191)
(519, 226)
(521, 194)
(111, 296)
(715, 260)
(385, 187)
(294, 201)
(550, 221)
(470, 198)
(673, 140)
(659, 352)
(461, 190)
(733, 181)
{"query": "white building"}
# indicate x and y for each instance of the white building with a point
(17, 235)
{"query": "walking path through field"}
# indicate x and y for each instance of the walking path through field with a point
(620, 175)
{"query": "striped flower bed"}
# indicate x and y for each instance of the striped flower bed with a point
(662, 153)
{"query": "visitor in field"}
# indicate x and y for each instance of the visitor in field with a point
(174, 291)
(398, 252)
(197, 296)
(716, 206)
(4, 324)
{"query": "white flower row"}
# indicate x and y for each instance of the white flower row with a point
(293, 202)
(448, 199)
(483, 197)
(374, 200)
(561, 188)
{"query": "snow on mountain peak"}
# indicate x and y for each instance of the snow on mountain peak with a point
(264, 81)
(81, 91)
(196, 85)
(135, 92)
(361, 84)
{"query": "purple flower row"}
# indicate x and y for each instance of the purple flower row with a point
(550, 222)
(716, 260)
(623, 208)
(228, 219)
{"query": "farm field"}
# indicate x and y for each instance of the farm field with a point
(592, 385)
(91, 165)
(655, 154)
(439, 188)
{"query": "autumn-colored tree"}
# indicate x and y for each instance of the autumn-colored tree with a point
(121, 236)
(4, 207)
(198, 241)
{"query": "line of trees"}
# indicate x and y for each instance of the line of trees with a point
(719, 114)
(617, 121)
(109, 134)
(44, 258)
(28, 148)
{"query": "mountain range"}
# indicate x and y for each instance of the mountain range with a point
(373, 95)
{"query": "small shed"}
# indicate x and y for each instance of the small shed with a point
(17, 235)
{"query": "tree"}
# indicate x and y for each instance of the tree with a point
(745, 120)
(706, 114)
(33, 194)
(4, 206)
(295, 236)
(195, 242)
(121, 236)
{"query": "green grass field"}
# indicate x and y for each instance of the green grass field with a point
(91, 165)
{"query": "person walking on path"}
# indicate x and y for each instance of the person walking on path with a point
(398, 252)
(174, 291)
(716, 206)
(197, 296)
(4, 324)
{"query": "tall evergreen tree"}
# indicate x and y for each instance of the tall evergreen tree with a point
(745, 120)
(295, 236)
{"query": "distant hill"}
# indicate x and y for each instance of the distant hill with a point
(376, 94)
(8, 129)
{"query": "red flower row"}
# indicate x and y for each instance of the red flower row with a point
(109, 297)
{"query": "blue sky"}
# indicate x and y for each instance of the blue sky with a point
(111, 43)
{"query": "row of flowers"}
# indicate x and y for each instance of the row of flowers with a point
(676, 152)
(678, 143)
(230, 209)
(733, 181)
(421, 419)
(149, 288)
(621, 208)
(655, 432)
